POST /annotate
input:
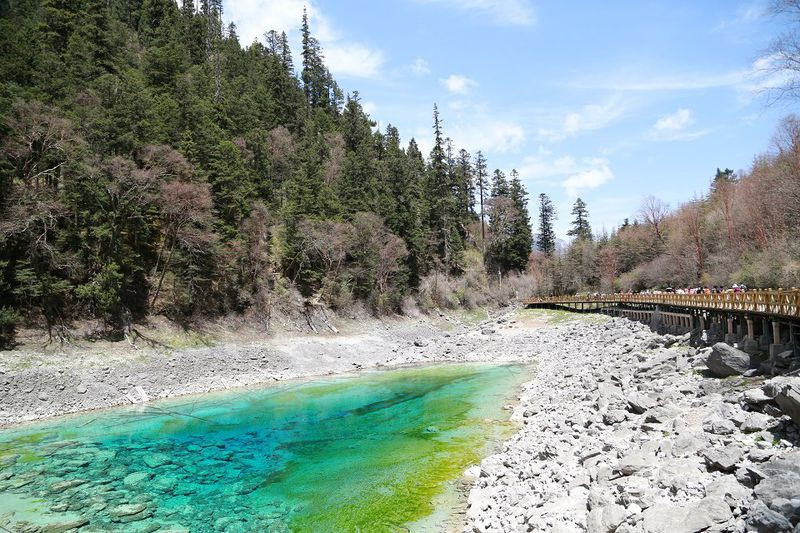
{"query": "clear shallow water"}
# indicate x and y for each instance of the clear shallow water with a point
(365, 453)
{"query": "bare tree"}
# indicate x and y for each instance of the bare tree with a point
(654, 212)
(185, 211)
(258, 267)
(38, 145)
(781, 60)
(691, 218)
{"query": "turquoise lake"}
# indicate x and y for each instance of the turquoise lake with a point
(361, 453)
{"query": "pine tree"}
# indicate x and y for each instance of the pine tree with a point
(286, 54)
(357, 186)
(521, 236)
(316, 78)
(464, 186)
(580, 225)
(446, 241)
(480, 178)
(546, 239)
(403, 186)
(499, 184)
(510, 238)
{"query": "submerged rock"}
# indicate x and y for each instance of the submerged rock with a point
(62, 527)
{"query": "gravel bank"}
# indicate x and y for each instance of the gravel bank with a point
(58, 383)
(622, 432)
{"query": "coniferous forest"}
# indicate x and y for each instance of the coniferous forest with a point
(153, 164)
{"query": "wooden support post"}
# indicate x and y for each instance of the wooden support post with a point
(751, 332)
(776, 332)
(730, 325)
(702, 322)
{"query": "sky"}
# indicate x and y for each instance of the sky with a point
(607, 101)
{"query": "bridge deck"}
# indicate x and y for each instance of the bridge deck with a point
(779, 303)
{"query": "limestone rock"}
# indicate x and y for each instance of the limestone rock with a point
(128, 509)
(639, 403)
(780, 489)
(61, 486)
(725, 361)
(787, 396)
(707, 513)
(718, 426)
(635, 461)
(606, 519)
(662, 518)
(723, 459)
(763, 520)
(136, 479)
(756, 422)
(61, 527)
(154, 460)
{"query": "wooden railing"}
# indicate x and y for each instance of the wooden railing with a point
(784, 303)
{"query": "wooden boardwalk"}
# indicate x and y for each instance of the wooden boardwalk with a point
(773, 303)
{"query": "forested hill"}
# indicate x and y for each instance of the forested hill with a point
(152, 164)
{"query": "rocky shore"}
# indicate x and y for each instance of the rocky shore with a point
(627, 431)
(620, 429)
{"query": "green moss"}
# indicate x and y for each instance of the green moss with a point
(557, 316)
(472, 317)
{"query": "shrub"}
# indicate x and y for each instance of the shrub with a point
(8, 327)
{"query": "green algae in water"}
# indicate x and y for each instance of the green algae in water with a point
(366, 453)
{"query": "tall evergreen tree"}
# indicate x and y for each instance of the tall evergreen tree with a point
(546, 239)
(521, 235)
(314, 75)
(580, 224)
(464, 186)
(480, 180)
(446, 240)
(357, 186)
(509, 223)
(499, 184)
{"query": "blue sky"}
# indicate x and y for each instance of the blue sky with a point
(610, 101)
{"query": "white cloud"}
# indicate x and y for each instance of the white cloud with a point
(369, 107)
(478, 133)
(353, 59)
(673, 127)
(572, 174)
(419, 67)
(675, 121)
(456, 83)
(255, 17)
(489, 135)
(742, 16)
(503, 12)
(589, 118)
(759, 75)
(344, 58)
(538, 168)
(590, 178)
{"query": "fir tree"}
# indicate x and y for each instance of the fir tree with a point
(580, 225)
(480, 179)
(546, 239)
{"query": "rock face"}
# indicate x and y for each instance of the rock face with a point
(725, 361)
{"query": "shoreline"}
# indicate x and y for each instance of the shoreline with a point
(86, 381)
(616, 429)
